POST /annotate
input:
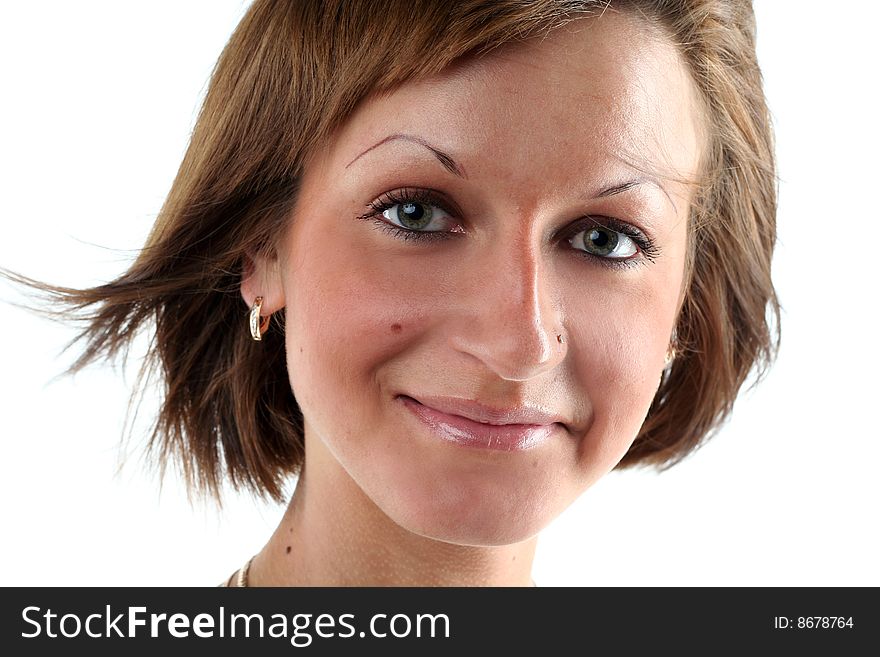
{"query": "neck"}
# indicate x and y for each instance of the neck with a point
(332, 534)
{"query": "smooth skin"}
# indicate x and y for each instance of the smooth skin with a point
(600, 119)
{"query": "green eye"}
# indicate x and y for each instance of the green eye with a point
(412, 215)
(603, 242)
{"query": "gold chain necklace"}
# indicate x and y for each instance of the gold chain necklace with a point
(242, 580)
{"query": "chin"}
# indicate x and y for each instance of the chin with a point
(485, 516)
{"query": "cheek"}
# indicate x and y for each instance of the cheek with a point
(619, 338)
(346, 316)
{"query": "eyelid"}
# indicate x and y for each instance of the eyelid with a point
(646, 246)
(608, 223)
(425, 195)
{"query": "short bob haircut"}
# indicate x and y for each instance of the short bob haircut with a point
(290, 75)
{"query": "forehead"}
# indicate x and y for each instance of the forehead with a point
(602, 93)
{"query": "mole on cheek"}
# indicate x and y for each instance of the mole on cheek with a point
(396, 328)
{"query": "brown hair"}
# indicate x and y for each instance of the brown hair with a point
(291, 74)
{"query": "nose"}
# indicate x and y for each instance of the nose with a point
(510, 319)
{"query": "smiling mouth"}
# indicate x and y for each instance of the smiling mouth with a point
(467, 432)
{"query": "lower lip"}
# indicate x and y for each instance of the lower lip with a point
(468, 433)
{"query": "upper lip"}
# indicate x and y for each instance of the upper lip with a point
(519, 413)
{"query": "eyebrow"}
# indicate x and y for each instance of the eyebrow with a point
(631, 184)
(445, 159)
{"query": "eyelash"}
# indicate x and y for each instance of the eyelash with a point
(390, 199)
(647, 248)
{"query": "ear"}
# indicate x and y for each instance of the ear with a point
(262, 278)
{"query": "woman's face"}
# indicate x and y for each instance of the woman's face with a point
(504, 242)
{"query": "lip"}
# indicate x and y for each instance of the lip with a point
(470, 424)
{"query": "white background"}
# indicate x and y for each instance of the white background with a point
(98, 99)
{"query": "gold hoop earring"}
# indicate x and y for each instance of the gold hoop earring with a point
(670, 355)
(259, 325)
